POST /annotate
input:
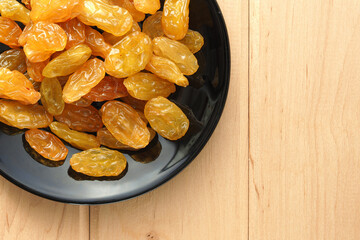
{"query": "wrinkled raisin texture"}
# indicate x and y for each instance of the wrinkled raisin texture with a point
(96, 42)
(147, 6)
(76, 139)
(83, 119)
(9, 32)
(176, 52)
(109, 88)
(14, 10)
(52, 11)
(175, 19)
(27, 4)
(193, 40)
(129, 56)
(67, 62)
(22, 116)
(75, 32)
(43, 39)
(111, 39)
(82, 102)
(14, 85)
(166, 118)
(134, 103)
(125, 124)
(110, 18)
(51, 96)
(152, 25)
(99, 162)
(129, 5)
(145, 86)
(83, 80)
(35, 84)
(35, 69)
(13, 59)
(167, 69)
(46, 144)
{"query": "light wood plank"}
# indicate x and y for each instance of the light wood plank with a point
(208, 200)
(304, 119)
(26, 216)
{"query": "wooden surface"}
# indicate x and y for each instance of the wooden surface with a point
(283, 162)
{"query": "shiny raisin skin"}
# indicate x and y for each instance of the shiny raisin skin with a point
(125, 124)
(82, 102)
(193, 40)
(99, 162)
(152, 25)
(76, 139)
(166, 118)
(111, 39)
(15, 11)
(46, 144)
(129, 56)
(32, 116)
(145, 86)
(175, 19)
(167, 69)
(15, 86)
(67, 62)
(96, 42)
(83, 119)
(9, 32)
(137, 104)
(13, 59)
(51, 96)
(83, 80)
(75, 32)
(110, 18)
(35, 69)
(109, 88)
(129, 5)
(147, 6)
(52, 11)
(176, 52)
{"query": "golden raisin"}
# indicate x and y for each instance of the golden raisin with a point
(111, 39)
(129, 5)
(15, 11)
(13, 59)
(76, 139)
(96, 42)
(99, 162)
(82, 102)
(193, 40)
(9, 32)
(166, 118)
(145, 86)
(75, 32)
(109, 88)
(35, 69)
(175, 19)
(46, 144)
(52, 11)
(125, 124)
(134, 103)
(51, 96)
(83, 80)
(147, 6)
(152, 25)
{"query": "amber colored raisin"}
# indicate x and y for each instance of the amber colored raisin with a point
(42, 40)
(193, 40)
(166, 118)
(129, 56)
(15, 86)
(15, 11)
(9, 32)
(13, 59)
(82, 102)
(75, 32)
(109, 88)
(176, 52)
(110, 18)
(27, 4)
(167, 69)
(51, 96)
(96, 42)
(152, 25)
(46, 144)
(76, 139)
(134, 103)
(22, 116)
(83, 119)
(129, 5)
(35, 84)
(145, 86)
(175, 19)
(35, 69)
(147, 6)
(83, 80)
(67, 62)
(111, 39)
(52, 11)
(99, 162)
(125, 124)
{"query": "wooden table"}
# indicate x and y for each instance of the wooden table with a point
(284, 160)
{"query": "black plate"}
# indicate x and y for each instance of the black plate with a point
(205, 98)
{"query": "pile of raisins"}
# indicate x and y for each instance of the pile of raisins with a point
(61, 60)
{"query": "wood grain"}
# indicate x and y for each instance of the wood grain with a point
(208, 200)
(304, 119)
(26, 216)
